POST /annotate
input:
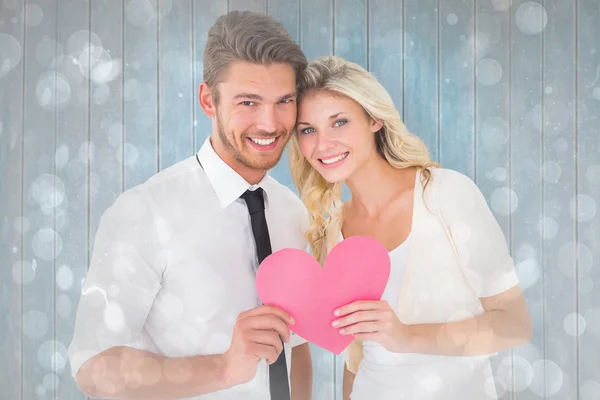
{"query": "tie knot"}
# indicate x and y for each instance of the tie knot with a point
(254, 200)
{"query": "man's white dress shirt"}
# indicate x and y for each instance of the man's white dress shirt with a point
(174, 263)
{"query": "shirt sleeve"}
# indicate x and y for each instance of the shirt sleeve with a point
(476, 234)
(123, 278)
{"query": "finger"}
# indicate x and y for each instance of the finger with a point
(361, 327)
(268, 323)
(359, 316)
(268, 338)
(265, 352)
(367, 336)
(268, 310)
(357, 306)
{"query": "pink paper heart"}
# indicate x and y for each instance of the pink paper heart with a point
(357, 268)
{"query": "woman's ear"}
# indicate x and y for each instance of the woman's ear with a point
(376, 125)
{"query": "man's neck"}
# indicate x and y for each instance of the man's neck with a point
(250, 175)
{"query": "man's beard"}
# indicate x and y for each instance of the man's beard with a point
(236, 149)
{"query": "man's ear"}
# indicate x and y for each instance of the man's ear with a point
(206, 100)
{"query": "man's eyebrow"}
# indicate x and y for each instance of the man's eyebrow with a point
(248, 96)
(254, 96)
(331, 117)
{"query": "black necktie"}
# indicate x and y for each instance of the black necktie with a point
(278, 377)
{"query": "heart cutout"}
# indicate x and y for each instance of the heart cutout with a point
(357, 268)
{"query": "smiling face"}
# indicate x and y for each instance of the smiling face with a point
(335, 135)
(254, 116)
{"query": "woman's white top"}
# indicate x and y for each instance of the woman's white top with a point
(455, 254)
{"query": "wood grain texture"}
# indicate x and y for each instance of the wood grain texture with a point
(177, 95)
(140, 91)
(15, 273)
(72, 163)
(558, 178)
(491, 42)
(41, 243)
(585, 207)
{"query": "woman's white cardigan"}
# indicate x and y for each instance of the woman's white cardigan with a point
(457, 254)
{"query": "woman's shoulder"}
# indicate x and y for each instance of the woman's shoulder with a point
(446, 179)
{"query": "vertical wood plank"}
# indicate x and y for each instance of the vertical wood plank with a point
(177, 92)
(316, 28)
(350, 31)
(316, 38)
(44, 94)
(351, 41)
(205, 14)
(491, 83)
(287, 12)
(385, 47)
(585, 208)
(15, 271)
(140, 102)
(72, 172)
(557, 229)
(525, 197)
(259, 6)
(456, 85)
(106, 110)
(421, 71)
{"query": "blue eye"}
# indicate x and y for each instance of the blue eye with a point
(246, 103)
(305, 130)
(342, 121)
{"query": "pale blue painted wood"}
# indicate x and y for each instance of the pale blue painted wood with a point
(106, 113)
(558, 229)
(525, 158)
(351, 18)
(587, 208)
(41, 243)
(288, 13)
(316, 28)
(258, 6)
(177, 91)
(71, 214)
(492, 114)
(386, 47)
(456, 86)
(350, 31)
(206, 13)
(11, 224)
(140, 87)
(316, 39)
(421, 110)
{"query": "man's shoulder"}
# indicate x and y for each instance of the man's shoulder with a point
(164, 184)
(284, 195)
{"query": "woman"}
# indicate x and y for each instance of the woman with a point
(452, 298)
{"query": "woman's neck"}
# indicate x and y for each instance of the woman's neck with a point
(375, 185)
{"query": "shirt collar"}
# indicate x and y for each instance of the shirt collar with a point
(227, 184)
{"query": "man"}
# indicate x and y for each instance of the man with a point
(169, 308)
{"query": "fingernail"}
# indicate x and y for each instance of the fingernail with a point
(292, 321)
(336, 312)
(335, 323)
(342, 331)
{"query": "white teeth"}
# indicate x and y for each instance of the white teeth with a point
(263, 142)
(334, 159)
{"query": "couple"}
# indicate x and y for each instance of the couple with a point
(169, 308)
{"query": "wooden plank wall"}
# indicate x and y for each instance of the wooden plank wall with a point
(96, 96)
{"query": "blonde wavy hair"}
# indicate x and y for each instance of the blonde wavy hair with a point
(394, 143)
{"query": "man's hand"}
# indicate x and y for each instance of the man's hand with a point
(258, 334)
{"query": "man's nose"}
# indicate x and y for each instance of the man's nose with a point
(267, 120)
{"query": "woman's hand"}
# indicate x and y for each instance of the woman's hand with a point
(375, 321)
